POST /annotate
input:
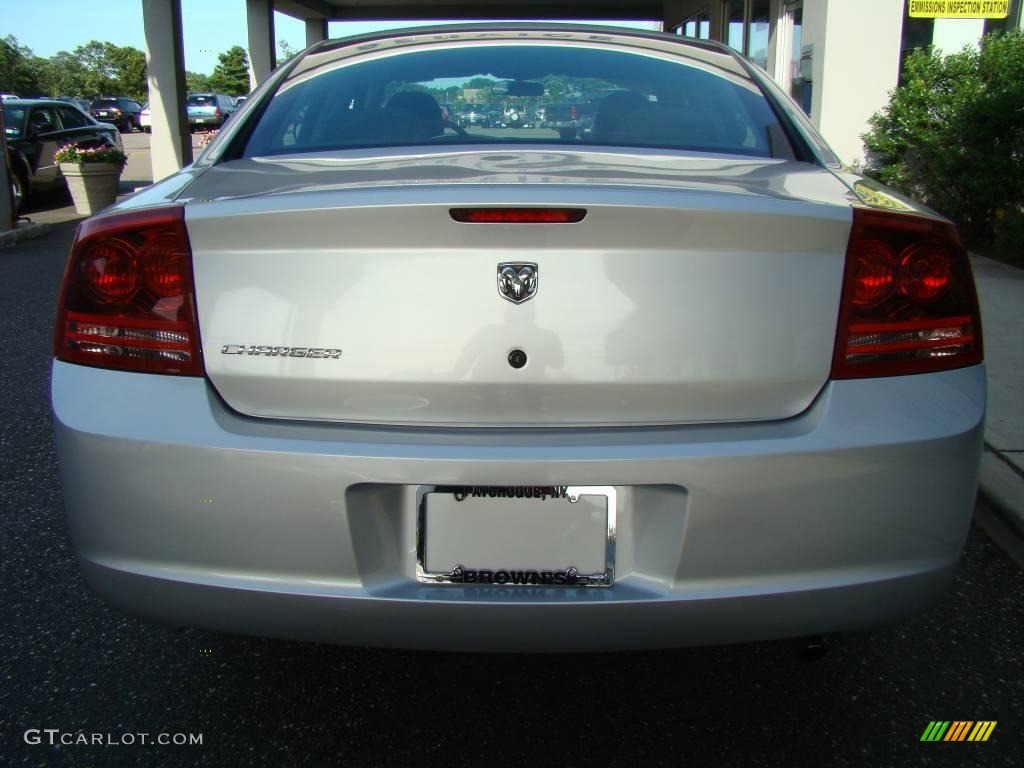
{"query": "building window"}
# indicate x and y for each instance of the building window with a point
(916, 33)
(747, 28)
(759, 31)
(697, 26)
(735, 24)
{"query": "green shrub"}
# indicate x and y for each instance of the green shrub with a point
(953, 136)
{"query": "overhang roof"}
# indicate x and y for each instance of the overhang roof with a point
(351, 10)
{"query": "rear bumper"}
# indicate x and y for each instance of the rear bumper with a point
(852, 514)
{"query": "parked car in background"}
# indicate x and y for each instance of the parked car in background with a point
(145, 119)
(122, 112)
(36, 129)
(239, 101)
(8, 96)
(516, 116)
(363, 376)
(82, 104)
(471, 116)
(208, 110)
(564, 118)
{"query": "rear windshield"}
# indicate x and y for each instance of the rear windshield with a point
(502, 93)
(201, 101)
(101, 103)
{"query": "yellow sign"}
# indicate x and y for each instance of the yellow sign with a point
(959, 9)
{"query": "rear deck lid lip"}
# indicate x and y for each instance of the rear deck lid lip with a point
(536, 166)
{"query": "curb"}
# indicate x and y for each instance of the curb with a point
(1001, 486)
(23, 231)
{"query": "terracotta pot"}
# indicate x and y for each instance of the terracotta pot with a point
(93, 186)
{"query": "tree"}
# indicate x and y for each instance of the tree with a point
(952, 135)
(196, 82)
(128, 66)
(62, 75)
(17, 72)
(287, 51)
(97, 73)
(94, 69)
(231, 75)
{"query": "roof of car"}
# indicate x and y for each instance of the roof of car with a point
(30, 102)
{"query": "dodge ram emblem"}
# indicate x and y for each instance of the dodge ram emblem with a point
(517, 281)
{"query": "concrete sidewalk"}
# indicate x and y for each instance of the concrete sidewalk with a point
(1001, 293)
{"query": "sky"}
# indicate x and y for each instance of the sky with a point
(210, 26)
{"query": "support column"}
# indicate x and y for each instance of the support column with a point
(262, 46)
(835, 32)
(171, 143)
(778, 54)
(316, 31)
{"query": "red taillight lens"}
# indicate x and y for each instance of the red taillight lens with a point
(216, 112)
(108, 269)
(925, 272)
(518, 215)
(908, 304)
(873, 273)
(128, 300)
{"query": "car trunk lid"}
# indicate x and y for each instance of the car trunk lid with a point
(693, 291)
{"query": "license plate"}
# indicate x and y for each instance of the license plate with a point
(104, 114)
(200, 119)
(516, 536)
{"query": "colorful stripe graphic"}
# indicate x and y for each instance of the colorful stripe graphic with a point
(935, 730)
(982, 730)
(958, 730)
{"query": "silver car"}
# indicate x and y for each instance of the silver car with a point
(363, 375)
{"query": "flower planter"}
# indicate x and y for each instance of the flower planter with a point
(93, 186)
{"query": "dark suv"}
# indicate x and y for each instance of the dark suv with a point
(122, 112)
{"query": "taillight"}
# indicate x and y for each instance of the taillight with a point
(908, 304)
(216, 112)
(128, 300)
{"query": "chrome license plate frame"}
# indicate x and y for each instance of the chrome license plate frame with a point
(561, 575)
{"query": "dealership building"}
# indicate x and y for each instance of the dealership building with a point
(839, 59)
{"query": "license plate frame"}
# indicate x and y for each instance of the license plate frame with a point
(561, 575)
